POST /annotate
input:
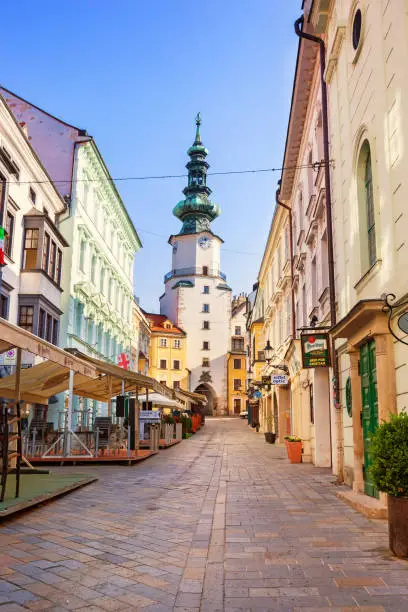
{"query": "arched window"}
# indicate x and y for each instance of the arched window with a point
(366, 207)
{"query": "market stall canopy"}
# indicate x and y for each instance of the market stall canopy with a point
(12, 336)
(195, 398)
(159, 400)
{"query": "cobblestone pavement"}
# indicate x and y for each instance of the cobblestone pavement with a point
(219, 522)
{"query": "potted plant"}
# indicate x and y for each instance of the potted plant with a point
(294, 448)
(270, 436)
(389, 471)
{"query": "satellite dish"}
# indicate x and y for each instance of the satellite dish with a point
(403, 322)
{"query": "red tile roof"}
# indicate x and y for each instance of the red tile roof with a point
(157, 321)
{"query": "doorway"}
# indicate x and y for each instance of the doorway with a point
(237, 406)
(369, 416)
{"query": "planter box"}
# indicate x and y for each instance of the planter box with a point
(398, 525)
(294, 450)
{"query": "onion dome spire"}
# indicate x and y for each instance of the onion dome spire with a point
(196, 211)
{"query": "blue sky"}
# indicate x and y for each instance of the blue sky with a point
(134, 73)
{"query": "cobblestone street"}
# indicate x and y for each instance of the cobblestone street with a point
(219, 522)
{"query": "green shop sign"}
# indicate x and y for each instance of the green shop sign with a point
(315, 350)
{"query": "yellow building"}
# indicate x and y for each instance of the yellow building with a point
(237, 358)
(167, 352)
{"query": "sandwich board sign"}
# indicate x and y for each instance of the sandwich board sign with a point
(315, 350)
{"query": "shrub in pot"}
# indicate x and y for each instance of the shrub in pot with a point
(389, 471)
(294, 448)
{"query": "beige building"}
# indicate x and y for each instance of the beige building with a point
(367, 49)
(237, 357)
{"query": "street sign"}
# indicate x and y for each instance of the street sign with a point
(257, 394)
(280, 379)
(315, 350)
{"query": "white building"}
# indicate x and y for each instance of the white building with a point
(97, 279)
(197, 297)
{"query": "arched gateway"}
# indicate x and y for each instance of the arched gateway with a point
(208, 391)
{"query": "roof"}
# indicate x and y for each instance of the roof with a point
(157, 321)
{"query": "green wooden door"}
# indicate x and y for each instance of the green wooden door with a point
(370, 408)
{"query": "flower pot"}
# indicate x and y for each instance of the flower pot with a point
(270, 437)
(398, 525)
(294, 450)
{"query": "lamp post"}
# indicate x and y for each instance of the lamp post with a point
(268, 352)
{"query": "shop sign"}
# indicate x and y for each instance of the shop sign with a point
(280, 379)
(315, 350)
(403, 322)
(266, 380)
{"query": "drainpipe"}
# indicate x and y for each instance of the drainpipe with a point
(288, 208)
(332, 294)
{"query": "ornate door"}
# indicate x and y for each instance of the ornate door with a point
(369, 417)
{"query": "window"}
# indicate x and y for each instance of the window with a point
(110, 290)
(369, 200)
(206, 345)
(286, 244)
(237, 364)
(176, 364)
(42, 323)
(206, 325)
(356, 33)
(176, 384)
(237, 405)
(53, 258)
(46, 253)
(237, 384)
(163, 364)
(237, 330)
(205, 270)
(206, 362)
(4, 305)
(206, 308)
(90, 329)
(55, 332)
(82, 254)
(50, 322)
(206, 289)
(58, 267)
(33, 195)
(26, 317)
(163, 342)
(30, 249)
(102, 280)
(177, 344)
(366, 208)
(79, 311)
(93, 269)
(238, 344)
(8, 236)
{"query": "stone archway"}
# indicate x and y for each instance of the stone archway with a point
(208, 391)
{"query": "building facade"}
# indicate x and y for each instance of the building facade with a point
(197, 297)
(31, 280)
(168, 352)
(237, 357)
(141, 340)
(367, 47)
(97, 278)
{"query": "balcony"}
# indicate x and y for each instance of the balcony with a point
(213, 272)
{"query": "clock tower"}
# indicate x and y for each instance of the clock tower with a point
(197, 297)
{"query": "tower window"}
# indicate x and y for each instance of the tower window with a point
(206, 345)
(206, 325)
(206, 289)
(366, 208)
(206, 308)
(205, 270)
(356, 33)
(206, 362)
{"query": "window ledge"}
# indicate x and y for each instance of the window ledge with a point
(41, 271)
(367, 276)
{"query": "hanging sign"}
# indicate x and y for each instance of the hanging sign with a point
(266, 380)
(280, 379)
(403, 322)
(315, 350)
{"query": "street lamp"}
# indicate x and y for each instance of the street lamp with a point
(268, 352)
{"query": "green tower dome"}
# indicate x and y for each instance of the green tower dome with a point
(196, 211)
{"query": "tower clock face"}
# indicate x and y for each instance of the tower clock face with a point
(205, 242)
